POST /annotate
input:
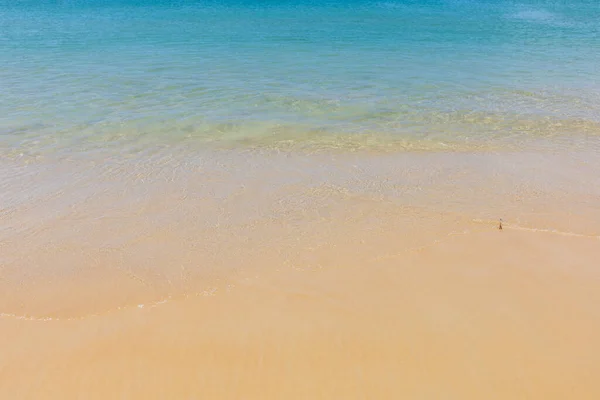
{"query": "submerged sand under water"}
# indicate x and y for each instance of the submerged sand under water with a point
(250, 275)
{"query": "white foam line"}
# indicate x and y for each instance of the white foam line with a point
(26, 317)
(553, 231)
(541, 230)
(205, 293)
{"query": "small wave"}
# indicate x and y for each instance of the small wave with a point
(540, 16)
(538, 230)
(209, 292)
(389, 5)
(535, 15)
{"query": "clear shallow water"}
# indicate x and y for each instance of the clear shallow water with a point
(78, 76)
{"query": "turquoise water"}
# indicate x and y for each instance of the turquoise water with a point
(82, 75)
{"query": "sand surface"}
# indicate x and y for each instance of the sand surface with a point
(333, 291)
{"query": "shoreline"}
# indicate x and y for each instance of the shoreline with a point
(167, 226)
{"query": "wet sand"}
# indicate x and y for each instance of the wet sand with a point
(339, 288)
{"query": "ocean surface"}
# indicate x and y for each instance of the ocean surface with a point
(122, 77)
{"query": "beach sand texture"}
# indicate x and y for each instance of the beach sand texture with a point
(313, 290)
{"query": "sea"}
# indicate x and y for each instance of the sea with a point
(81, 76)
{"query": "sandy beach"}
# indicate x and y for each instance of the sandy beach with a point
(489, 314)
(338, 288)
